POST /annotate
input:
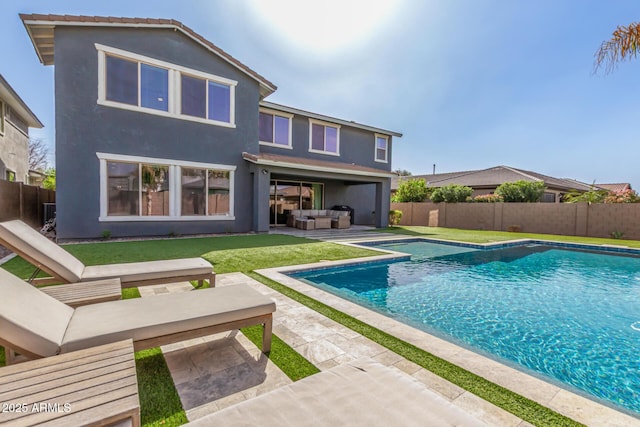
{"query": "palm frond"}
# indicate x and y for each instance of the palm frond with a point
(624, 44)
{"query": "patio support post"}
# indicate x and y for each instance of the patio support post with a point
(261, 180)
(383, 203)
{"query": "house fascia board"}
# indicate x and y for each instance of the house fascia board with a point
(292, 110)
(13, 100)
(287, 165)
(266, 88)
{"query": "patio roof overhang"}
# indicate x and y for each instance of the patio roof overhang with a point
(301, 164)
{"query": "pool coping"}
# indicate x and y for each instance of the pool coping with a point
(553, 396)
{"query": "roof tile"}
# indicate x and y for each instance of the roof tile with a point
(149, 21)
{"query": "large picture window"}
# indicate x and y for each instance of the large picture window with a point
(324, 137)
(154, 189)
(275, 128)
(137, 189)
(135, 82)
(205, 192)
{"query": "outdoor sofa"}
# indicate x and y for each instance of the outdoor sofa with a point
(359, 393)
(37, 325)
(65, 268)
(338, 219)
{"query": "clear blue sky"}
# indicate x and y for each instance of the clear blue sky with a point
(470, 83)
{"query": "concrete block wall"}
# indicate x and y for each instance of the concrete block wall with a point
(569, 219)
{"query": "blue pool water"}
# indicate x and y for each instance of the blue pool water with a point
(573, 316)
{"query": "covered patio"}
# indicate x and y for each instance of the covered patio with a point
(283, 183)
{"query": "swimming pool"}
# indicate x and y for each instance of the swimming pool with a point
(569, 315)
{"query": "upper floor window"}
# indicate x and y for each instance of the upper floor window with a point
(382, 148)
(205, 98)
(324, 137)
(275, 128)
(135, 82)
(7, 114)
(138, 84)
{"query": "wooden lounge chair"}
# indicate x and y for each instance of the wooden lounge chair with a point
(65, 268)
(359, 393)
(36, 325)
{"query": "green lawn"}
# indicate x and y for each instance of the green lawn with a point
(226, 253)
(160, 405)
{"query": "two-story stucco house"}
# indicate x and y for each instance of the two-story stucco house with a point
(15, 120)
(159, 131)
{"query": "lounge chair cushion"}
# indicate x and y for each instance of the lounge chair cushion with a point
(45, 254)
(50, 257)
(359, 393)
(29, 318)
(149, 270)
(143, 318)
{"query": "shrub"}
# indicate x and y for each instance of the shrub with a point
(487, 198)
(592, 196)
(395, 216)
(452, 193)
(521, 191)
(50, 181)
(411, 190)
(622, 196)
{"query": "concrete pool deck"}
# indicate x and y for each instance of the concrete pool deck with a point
(550, 395)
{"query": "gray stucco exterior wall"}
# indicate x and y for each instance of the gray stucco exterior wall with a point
(357, 146)
(83, 128)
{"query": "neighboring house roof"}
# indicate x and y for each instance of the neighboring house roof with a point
(314, 165)
(493, 177)
(292, 110)
(621, 186)
(41, 30)
(8, 95)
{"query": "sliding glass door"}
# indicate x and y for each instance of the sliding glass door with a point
(286, 196)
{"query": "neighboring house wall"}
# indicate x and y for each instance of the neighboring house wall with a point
(14, 146)
(84, 128)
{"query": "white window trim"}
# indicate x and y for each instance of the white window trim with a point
(375, 148)
(3, 121)
(325, 124)
(174, 90)
(286, 116)
(175, 190)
